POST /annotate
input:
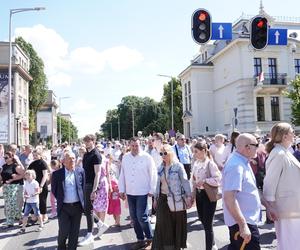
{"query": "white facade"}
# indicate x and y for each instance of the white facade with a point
(47, 119)
(20, 94)
(224, 77)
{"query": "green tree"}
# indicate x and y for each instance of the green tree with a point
(177, 103)
(37, 87)
(68, 129)
(294, 94)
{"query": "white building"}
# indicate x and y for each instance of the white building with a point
(223, 78)
(20, 94)
(47, 119)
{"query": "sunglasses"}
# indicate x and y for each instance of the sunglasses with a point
(6, 157)
(163, 153)
(253, 144)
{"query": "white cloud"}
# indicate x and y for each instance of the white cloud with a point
(87, 60)
(83, 105)
(53, 49)
(59, 79)
(122, 58)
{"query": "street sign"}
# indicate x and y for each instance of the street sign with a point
(221, 31)
(277, 37)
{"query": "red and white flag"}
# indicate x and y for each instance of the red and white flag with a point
(261, 77)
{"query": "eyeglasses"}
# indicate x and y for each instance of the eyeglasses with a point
(253, 144)
(163, 153)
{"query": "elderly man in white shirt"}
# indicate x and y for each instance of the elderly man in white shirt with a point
(138, 181)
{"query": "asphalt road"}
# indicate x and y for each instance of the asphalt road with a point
(120, 238)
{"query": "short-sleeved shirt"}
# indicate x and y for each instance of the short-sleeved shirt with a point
(90, 159)
(39, 166)
(238, 176)
(30, 189)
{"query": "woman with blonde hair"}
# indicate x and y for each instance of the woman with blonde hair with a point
(281, 190)
(171, 226)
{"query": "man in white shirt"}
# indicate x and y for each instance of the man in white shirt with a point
(138, 181)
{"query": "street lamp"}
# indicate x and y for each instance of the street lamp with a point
(13, 11)
(172, 96)
(61, 98)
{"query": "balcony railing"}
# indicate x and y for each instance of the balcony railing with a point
(271, 79)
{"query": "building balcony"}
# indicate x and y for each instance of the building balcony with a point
(270, 84)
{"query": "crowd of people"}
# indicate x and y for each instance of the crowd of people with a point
(92, 178)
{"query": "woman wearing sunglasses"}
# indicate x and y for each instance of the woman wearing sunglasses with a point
(205, 170)
(12, 176)
(171, 227)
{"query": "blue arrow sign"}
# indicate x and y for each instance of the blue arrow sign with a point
(277, 37)
(221, 31)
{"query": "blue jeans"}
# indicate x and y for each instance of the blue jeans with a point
(29, 206)
(138, 210)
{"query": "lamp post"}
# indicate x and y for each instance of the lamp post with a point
(61, 98)
(172, 96)
(17, 120)
(119, 127)
(13, 11)
(111, 131)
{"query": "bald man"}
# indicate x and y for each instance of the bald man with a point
(241, 201)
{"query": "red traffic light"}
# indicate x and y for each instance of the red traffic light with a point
(202, 16)
(260, 24)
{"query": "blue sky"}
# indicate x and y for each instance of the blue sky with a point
(98, 51)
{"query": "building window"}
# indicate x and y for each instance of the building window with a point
(275, 108)
(273, 70)
(20, 105)
(188, 127)
(185, 97)
(257, 66)
(260, 109)
(25, 107)
(190, 95)
(297, 66)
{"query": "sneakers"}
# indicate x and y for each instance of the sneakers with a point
(39, 229)
(86, 240)
(214, 247)
(102, 229)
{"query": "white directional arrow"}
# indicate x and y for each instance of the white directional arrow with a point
(277, 34)
(221, 30)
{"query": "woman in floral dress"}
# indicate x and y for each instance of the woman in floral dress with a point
(100, 204)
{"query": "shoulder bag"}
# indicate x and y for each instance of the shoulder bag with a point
(211, 191)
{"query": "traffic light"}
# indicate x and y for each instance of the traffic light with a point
(259, 32)
(201, 26)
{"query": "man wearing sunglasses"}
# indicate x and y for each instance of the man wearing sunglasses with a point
(183, 153)
(241, 201)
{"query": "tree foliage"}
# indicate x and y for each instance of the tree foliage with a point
(69, 131)
(294, 94)
(145, 114)
(37, 87)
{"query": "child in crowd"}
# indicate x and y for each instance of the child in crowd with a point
(55, 165)
(114, 204)
(31, 195)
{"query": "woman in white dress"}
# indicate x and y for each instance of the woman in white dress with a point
(281, 187)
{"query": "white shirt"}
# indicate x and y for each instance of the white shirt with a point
(156, 157)
(138, 174)
(30, 189)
